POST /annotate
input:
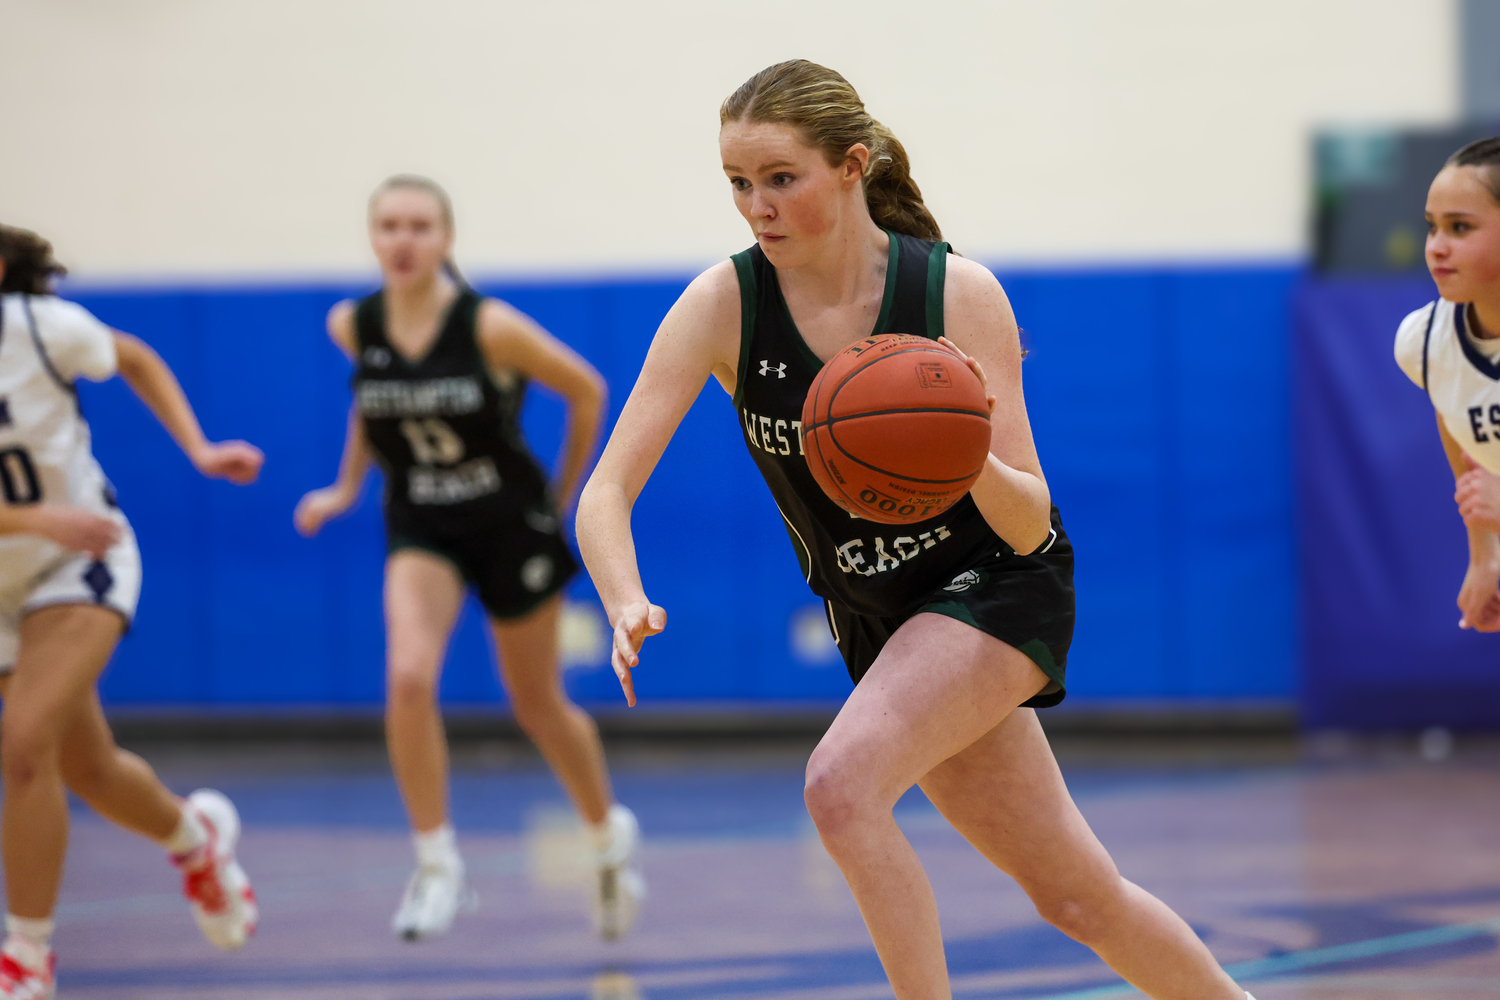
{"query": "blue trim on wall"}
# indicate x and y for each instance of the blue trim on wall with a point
(1159, 400)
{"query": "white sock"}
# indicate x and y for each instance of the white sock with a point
(28, 940)
(190, 834)
(436, 848)
(600, 835)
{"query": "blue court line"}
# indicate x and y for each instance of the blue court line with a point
(1264, 968)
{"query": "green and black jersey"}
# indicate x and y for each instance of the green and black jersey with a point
(874, 576)
(444, 428)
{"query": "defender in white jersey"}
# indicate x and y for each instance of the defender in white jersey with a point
(70, 575)
(1451, 349)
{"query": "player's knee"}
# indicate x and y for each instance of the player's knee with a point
(409, 685)
(25, 752)
(1084, 917)
(834, 801)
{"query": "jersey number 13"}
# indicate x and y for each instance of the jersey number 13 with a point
(432, 442)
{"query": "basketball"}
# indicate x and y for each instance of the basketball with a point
(896, 428)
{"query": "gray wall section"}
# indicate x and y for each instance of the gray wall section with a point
(1479, 53)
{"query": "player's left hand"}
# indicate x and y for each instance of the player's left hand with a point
(1478, 598)
(1478, 497)
(974, 367)
(237, 461)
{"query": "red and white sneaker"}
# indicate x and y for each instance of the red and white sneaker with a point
(17, 982)
(214, 883)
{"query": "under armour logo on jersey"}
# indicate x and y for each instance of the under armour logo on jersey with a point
(766, 369)
(377, 357)
(963, 581)
(5, 420)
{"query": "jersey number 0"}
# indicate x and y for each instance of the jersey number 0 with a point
(432, 442)
(18, 477)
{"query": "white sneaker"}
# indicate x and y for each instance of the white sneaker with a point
(434, 895)
(619, 887)
(214, 883)
(22, 982)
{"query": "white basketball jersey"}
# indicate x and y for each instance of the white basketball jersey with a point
(46, 344)
(1460, 373)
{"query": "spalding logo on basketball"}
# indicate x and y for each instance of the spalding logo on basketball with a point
(896, 428)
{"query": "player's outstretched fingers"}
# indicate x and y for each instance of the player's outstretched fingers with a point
(622, 672)
(974, 365)
(637, 623)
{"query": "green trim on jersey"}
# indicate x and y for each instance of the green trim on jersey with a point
(744, 268)
(937, 275)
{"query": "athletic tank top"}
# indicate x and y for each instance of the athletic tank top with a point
(46, 454)
(445, 430)
(870, 568)
(1460, 373)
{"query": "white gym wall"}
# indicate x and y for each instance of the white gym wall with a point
(166, 139)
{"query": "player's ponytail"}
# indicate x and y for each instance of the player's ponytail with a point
(416, 182)
(29, 267)
(828, 111)
(1483, 153)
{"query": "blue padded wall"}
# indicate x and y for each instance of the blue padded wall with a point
(1384, 550)
(1159, 399)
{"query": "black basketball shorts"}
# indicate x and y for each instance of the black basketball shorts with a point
(1024, 601)
(512, 564)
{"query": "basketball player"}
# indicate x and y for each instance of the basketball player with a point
(1451, 348)
(439, 380)
(950, 647)
(69, 578)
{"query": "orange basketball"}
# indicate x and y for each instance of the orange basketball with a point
(896, 428)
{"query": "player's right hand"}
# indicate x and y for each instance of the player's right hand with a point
(318, 508)
(75, 529)
(636, 623)
(1479, 599)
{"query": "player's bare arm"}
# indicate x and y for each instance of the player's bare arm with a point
(149, 378)
(1011, 492)
(1479, 594)
(320, 506)
(71, 527)
(512, 340)
(699, 337)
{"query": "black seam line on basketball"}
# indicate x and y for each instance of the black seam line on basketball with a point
(900, 475)
(836, 484)
(908, 409)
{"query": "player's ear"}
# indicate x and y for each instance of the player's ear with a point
(856, 162)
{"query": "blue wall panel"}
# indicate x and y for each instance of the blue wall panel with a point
(1384, 548)
(1159, 400)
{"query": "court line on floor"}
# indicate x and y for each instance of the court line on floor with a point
(1266, 968)
(1487, 985)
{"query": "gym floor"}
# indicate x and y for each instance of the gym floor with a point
(1325, 869)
